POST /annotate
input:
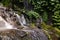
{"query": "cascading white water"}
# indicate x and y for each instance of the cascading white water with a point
(21, 20)
(5, 25)
(8, 23)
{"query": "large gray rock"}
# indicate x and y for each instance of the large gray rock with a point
(23, 35)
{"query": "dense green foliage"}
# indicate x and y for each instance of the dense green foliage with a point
(56, 15)
(6, 2)
(56, 19)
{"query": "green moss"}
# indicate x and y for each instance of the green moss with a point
(48, 28)
(32, 25)
(57, 31)
(49, 36)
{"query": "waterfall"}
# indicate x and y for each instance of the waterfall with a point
(21, 20)
(5, 25)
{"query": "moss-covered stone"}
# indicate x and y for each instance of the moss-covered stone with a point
(52, 32)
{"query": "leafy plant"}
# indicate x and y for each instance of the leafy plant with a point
(56, 19)
(33, 14)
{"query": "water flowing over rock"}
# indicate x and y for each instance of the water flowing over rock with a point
(21, 20)
(4, 25)
(10, 28)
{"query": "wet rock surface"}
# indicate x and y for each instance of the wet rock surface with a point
(23, 35)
